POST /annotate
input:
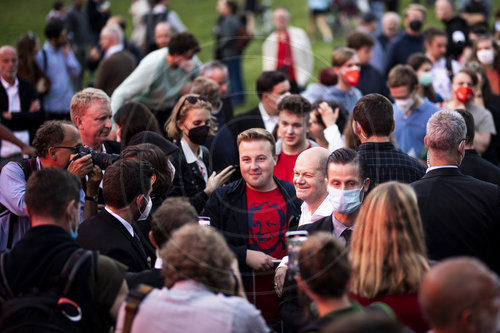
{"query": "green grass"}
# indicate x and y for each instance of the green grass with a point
(19, 16)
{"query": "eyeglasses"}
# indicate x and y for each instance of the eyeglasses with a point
(74, 150)
(193, 100)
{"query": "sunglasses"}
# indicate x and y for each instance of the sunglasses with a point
(193, 100)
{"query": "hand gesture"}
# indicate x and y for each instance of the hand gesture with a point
(95, 177)
(28, 150)
(35, 105)
(216, 180)
(259, 261)
(81, 167)
(328, 116)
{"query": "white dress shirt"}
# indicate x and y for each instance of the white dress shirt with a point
(191, 157)
(269, 121)
(127, 225)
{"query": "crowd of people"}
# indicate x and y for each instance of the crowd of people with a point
(368, 201)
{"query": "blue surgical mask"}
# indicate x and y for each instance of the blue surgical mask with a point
(345, 201)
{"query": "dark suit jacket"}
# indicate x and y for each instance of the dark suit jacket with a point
(292, 314)
(113, 70)
(105, 233)
(188, 180)
(479, 168)
(23, 120)
(250, 119)
(460, 215)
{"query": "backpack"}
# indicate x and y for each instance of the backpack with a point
(28, 166)
(242, 38)
(132, 304)
(43, 310)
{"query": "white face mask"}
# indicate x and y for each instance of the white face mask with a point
(345, 201)
(486, 56)
(404, 105)
(145, 213)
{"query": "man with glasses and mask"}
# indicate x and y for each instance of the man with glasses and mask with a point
(347, 183)
(127, 193)
(56, 144)
(161, 77)
(411, 112)
(460, 214)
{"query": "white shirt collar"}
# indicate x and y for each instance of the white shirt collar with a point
(324, 209)
(269, 121)
(440, 167)
(7, 85)
(127, 225)
(113, 49)
(188, 153)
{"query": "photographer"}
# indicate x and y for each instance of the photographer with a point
(56, 143)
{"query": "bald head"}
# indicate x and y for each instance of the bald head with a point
(309, 176)
(281, 18)
(460, 295)
(162, 34)
(8, 63)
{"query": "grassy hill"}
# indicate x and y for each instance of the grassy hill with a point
(19, 16)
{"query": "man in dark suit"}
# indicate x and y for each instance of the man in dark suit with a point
(348, 183)
(117, 62)
(19, 106)
(373, 123)
(271, 85)
(91, 113)
(460, 214)
(170, 216)
(473, 164)
(126, 190)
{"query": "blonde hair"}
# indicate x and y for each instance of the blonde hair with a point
(180, 111)
(257, 134)
(82, 100)
(388, 250)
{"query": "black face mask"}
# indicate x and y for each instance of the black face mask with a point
(198, 135)
(416, 25)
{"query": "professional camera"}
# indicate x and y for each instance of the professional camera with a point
(102, 160)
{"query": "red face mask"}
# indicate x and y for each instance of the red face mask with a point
(351, 77)
(464, 94)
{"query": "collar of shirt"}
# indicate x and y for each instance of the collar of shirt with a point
(7, 85)
(188, 153)
(338, 229)
(112, 50)
(440, 167)
(127, 225)
(324, 209)
(158, 262)
(269, 121)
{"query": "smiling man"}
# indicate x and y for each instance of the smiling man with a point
(253, 214)
(293, 118)
(91, 114)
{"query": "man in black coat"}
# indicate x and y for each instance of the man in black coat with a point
(126, 190)
(271, 85)
(460, 214)
(473, 164)
(346, 172)
(19, 105)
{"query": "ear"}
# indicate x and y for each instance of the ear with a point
(69, 212)
(393, 125)
(27, 211)
(425, 142)
(78, 122)
(275, 159)
(366, 185)
(153, 179)
(152, 239)
(52, 153)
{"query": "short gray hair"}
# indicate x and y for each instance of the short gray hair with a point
(208, 67)
(445, 130)
(115, 31)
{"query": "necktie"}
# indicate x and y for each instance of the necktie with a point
(139, 244)
(347, 233)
